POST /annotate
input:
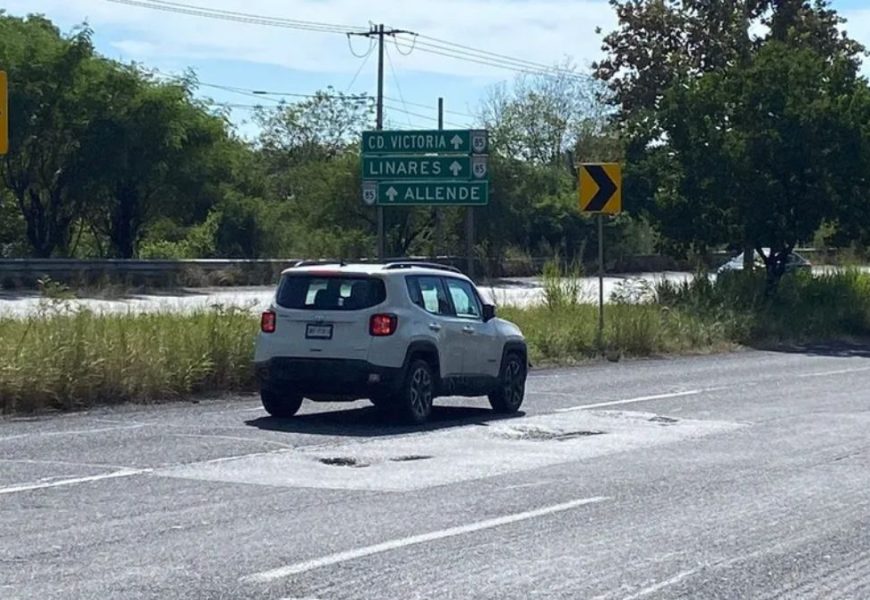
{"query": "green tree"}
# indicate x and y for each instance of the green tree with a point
(308, 153)
(143, 149)
(665, 55)
(48, 77)
(658, 42)
(764, 152)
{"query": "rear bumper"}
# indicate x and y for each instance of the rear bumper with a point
(330, 377)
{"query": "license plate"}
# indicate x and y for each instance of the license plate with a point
(318, 332)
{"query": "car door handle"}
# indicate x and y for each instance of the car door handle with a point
(434, 326)
(468, 329)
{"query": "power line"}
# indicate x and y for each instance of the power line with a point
(434, 46)
(418, 105)
(447, 45)
(261, 92)
(482, 60)
(243, 14)
(251, 93)
(366, 54)
(421, 116)
(362, 65)
(239, 17)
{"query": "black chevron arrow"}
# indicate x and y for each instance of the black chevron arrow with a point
(606, 188)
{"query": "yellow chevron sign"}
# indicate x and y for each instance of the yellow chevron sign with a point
(601, 188)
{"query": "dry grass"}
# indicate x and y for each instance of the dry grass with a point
(69, 360)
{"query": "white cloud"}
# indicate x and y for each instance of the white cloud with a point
(543, 31)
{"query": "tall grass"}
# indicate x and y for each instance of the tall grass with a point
(67, 360)
(563, 285)
(802, 307)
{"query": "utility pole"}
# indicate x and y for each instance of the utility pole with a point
(379, 32)
(439, 214)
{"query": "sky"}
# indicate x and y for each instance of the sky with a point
(256, 57)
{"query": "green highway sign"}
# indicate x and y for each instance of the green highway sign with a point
(441, 193)
(456, 141)
(423, 167)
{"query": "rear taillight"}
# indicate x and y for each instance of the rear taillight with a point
(267, 322)
(382, 325)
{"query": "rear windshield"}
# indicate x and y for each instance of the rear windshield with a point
(330, 292)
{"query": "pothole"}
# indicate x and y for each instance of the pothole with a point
(663, 420)
(540, 434)
(410, 458)
(343, 461)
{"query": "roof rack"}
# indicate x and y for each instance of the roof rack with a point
(409, 264)
(318, 263)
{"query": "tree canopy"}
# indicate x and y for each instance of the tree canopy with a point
(745, 121)
(740, 123)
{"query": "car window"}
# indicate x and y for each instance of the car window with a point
(330, 292)
(465, 300)
(428, 293)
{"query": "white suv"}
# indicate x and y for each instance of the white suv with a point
(399, 334)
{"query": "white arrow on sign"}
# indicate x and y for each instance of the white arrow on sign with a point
(456, 141)
(392, 193)
(456, 168)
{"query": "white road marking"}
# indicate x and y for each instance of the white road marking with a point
(70, 432)
(341, 557)
(527, 485)
(638, 399)
(26, 487)
(837, 372)
(33, 461)
(662, 584)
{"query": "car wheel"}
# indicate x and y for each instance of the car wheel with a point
(280, 405)
(508, 396)
(417, 393)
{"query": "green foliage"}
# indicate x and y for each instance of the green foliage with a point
(803, 307)
(739, 135)
(63, 358)
(199, 242)
(563, 284)
(764, 152)
(49, 115)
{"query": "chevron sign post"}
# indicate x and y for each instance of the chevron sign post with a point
(601, 194)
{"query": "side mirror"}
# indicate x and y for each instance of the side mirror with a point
(488, 312)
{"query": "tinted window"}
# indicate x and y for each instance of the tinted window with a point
(428, 293)
(319, 292)
(465, 299)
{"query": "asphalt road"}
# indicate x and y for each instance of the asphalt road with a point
(737, 476)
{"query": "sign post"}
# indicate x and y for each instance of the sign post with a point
(426, 168)
(601, 194)
(4, 113)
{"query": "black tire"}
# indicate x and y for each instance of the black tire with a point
(414, 399)
(508, 396)
(282, 406)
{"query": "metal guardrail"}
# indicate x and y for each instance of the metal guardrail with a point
(198, 272)
(16, 272)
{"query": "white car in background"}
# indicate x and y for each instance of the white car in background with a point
(794, 262)
(400, 334)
